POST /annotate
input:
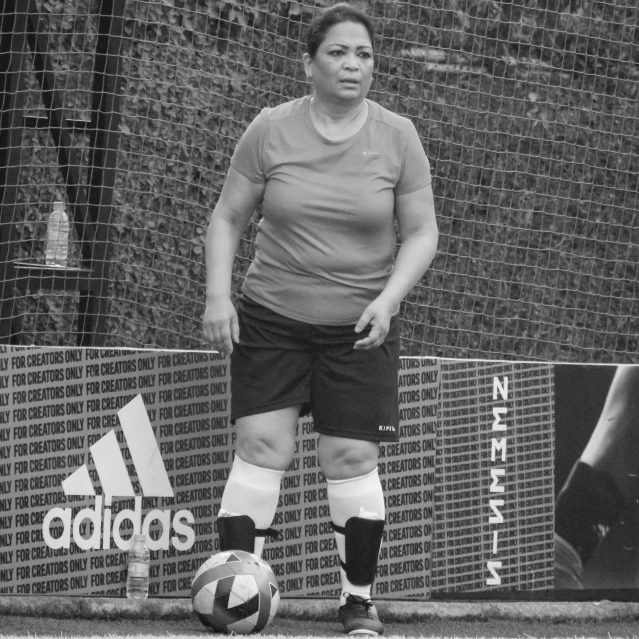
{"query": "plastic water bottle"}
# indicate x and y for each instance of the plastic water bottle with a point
(137, 580)
(56, 250)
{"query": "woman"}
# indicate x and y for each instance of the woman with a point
(317, 328)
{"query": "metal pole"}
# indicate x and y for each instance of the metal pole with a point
(104, 140)
(13, 27)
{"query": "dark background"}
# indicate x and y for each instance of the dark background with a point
(580, 393)
(526, 110)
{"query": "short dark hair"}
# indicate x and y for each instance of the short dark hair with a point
(338, 13)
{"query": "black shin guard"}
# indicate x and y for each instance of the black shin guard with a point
(363, 539)
(238, 532)
(587, 506)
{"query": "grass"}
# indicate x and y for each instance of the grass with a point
(42, 627)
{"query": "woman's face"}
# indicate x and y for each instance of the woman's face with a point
(342, 69)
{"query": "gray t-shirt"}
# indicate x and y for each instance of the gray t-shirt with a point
(325, 244)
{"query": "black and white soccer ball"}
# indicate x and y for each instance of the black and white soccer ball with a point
(235, 592)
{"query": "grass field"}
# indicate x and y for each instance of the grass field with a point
(19, 626)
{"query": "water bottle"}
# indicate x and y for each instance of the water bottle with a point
(57, 245)
(137, 580)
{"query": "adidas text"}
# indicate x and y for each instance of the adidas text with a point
(106, 528)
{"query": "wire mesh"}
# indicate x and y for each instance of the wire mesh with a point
(527, 111)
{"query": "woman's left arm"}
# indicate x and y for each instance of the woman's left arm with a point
(415, 213)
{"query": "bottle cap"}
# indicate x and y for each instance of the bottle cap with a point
(139, 537)
(58, 206)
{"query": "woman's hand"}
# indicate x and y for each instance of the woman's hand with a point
(221, 327)
(378, 314)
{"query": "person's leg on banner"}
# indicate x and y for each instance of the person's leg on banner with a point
(613, 447)
(602, 482)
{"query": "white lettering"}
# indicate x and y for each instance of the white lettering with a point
(498, 518)
(497, 412)
(502, 388)
(495, 474)
(498, 445)
(495, 580)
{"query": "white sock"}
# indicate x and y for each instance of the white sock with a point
(253, 491)
(356, 497)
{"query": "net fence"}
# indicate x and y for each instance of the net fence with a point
(527, 110)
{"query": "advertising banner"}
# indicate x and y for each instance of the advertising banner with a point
(97, 444)
(597, 479)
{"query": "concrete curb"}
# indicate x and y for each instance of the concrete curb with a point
(322, 610)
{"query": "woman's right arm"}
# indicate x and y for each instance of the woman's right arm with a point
(239, 198)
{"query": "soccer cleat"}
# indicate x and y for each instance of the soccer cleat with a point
(359, 616)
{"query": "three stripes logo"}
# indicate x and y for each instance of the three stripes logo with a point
(115, 481)
(110, 465)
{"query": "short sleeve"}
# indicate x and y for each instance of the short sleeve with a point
(247, 158)
(415, 173)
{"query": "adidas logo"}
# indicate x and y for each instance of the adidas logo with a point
(110, 465)
(114, 478)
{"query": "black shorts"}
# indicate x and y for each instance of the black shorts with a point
(281, 362)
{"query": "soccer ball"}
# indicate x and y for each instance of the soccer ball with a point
(235, 592)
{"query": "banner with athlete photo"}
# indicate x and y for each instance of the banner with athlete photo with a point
(97, 444)
(597, 479)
